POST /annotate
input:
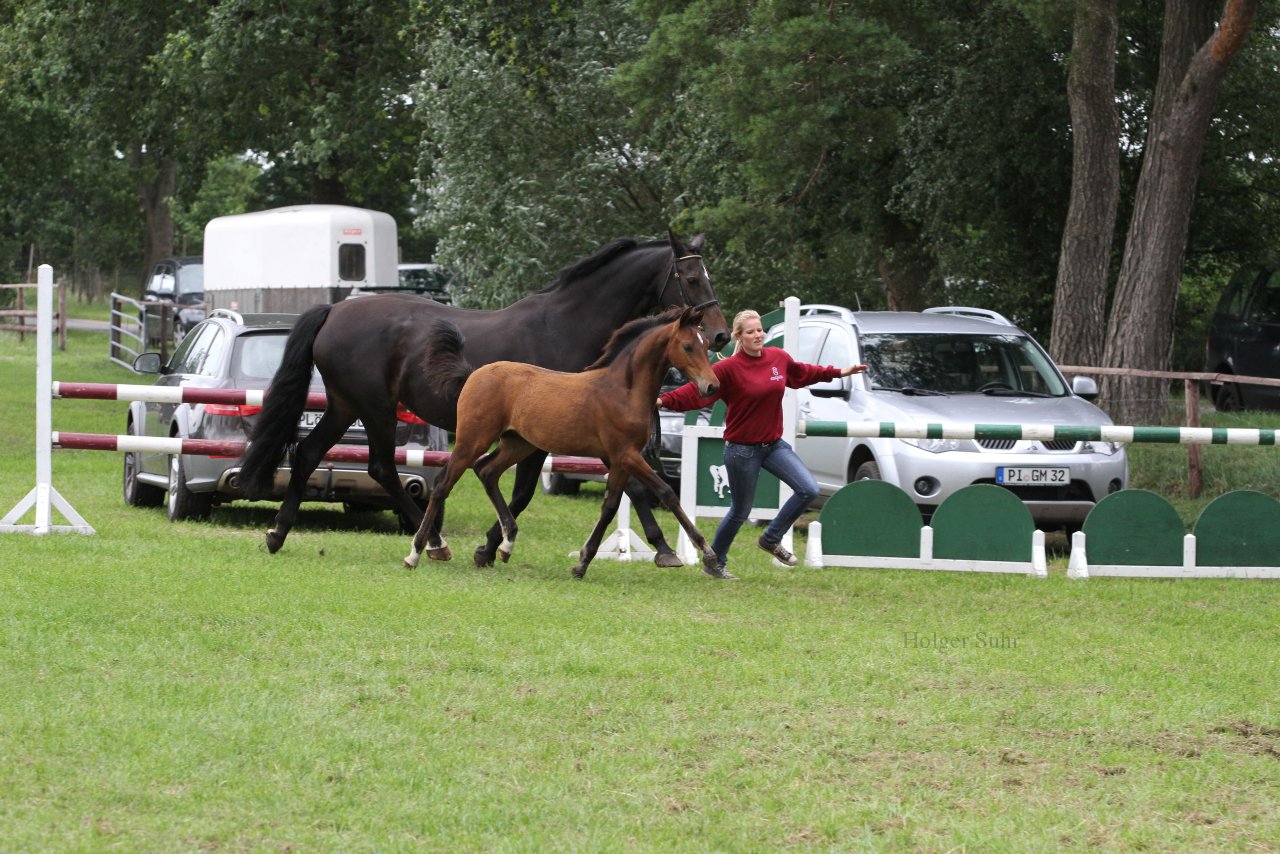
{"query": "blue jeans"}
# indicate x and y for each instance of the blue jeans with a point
(742, 464)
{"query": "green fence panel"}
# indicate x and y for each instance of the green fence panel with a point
(982, 522)
(871, 517)
(1134, 527)
(1239, 529)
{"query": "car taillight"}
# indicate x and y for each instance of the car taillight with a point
(233, 411)
(403, 414)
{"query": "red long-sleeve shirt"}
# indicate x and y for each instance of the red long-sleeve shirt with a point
(752, 389)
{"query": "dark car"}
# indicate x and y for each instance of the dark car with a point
(179, 281)
(1244, 339)
(233, 351)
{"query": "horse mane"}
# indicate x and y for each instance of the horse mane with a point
(626, 336)
(586, 266)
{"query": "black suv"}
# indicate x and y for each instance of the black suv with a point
(179, 281)
(233, 351)
(1244, 338)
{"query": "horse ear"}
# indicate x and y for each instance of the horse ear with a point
(696, 243)
(690, 316)
(677, 248)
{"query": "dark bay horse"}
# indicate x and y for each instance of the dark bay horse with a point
(605, 411)
(370, 352)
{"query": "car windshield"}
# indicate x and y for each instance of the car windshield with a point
(923, 363)
(191, 284)
(258, 356)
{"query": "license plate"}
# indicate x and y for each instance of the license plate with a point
(1033, 475)
(310, 419)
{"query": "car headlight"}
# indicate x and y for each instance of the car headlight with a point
(941, 446)
(1105, 448)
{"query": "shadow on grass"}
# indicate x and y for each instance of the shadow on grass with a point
(311, 518)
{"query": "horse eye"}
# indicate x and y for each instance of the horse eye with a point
(688, 348)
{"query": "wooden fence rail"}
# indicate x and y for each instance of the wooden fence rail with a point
(21, 313)
(1191, 385)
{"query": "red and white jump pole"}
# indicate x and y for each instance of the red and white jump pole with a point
(338, 453)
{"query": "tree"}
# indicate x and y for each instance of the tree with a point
(527, 164)
(93, 64)
(1194, 58)
(1084, 263)
(321, 84)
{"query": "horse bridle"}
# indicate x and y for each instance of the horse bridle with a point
(684, 297)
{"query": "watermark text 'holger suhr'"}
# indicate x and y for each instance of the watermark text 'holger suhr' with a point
(942, 640)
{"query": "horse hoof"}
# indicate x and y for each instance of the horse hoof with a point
(442, 553)
(483, 557)
(506, 556)
(667, 560)
(274, 542)
(579, 571)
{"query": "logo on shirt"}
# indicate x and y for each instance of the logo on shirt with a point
(777, 377)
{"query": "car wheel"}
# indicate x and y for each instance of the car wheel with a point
(870, 470)
(183, 503)
(137, 493)
(1229, 398)
(554, 483)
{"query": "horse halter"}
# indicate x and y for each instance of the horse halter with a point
(684, 297)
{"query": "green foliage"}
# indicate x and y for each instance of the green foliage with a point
(991, 205)
(528, 170)
(230, 186)
(321, 84)
(831, 150)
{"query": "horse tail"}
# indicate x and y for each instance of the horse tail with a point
(277, 424)
(449, 368)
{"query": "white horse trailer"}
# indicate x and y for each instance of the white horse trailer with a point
(287, 259)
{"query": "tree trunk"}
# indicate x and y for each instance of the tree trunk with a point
(1084, 265)
(327, 187)
(1140, 332)
(904, 268)
(156, 184)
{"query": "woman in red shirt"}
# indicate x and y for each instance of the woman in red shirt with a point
(752, 382)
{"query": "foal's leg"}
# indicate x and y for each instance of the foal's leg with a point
(612, 498)
(428, 534)
(664, 493)
(306, 458)
(528, 473)
(511, 449)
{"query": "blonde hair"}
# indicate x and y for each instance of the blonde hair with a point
(739, 321)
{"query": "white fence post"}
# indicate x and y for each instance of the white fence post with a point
(44, 494)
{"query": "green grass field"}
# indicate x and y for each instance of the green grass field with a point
(169, 687)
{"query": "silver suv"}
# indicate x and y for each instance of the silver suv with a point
(952, 365)
(233, 351)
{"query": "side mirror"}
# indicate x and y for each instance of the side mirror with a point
(1085, 387)
(147, 363)
(839, 387)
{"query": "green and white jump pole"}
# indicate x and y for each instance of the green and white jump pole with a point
(1042, 432)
